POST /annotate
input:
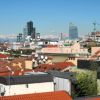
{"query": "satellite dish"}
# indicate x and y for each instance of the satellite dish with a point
(46, 57)
(42, 56)
(33, 60)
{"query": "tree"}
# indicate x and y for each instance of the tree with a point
(86, 85)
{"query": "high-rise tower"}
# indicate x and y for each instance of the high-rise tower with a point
(73, 31)
(30, 29)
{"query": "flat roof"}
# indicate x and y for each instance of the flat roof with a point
(25, 79)
(65, 75)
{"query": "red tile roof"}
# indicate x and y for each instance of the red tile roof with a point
(3, 69)
(50, 46)
(3, 64)
(11, 73)
(12, 67)
(58, 95)
(3, 55)
(55, 66)
(5, 74)
(97, 54)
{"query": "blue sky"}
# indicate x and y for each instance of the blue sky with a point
(49, 16)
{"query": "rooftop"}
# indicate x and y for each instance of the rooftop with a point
(55, 66)
(26, 79)
(58, 95)
(3, 56)
(65, 75)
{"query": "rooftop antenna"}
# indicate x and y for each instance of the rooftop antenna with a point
(94, 25)
(94, 29)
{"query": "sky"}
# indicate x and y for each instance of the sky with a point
(50, 17)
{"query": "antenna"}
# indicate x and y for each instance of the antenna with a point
(94, 29)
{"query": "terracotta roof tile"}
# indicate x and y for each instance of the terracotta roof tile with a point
(3, 55)
(50, 46)
(58, 95)
(5, 74)
(17, 66)
(55, 66)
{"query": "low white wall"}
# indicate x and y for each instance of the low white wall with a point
(32, 88)
(62, 84)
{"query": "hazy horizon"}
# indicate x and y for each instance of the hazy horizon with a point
(49, 16)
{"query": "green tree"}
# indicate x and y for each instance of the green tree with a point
(86, 85)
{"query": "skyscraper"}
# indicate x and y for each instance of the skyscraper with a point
(30, 29)
(33, 35)
(73, 32)
(25, 33)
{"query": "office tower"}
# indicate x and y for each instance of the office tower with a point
(30, 29)
(61, 36)
(33, 33)
(25, 33)
(73, 32)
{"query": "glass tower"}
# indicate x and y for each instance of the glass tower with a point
(73, 32)
(30, 29)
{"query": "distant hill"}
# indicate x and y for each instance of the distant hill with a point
(7, 39)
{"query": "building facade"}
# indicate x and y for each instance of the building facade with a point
(16, 85)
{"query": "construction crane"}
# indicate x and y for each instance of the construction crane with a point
(95, 29)
(94, 26)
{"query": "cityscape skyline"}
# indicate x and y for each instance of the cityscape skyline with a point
(49, 16)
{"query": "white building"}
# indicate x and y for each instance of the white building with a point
(16, 45)
(63, 80)
(36, 83)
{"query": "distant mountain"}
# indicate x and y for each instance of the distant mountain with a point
(7, 39)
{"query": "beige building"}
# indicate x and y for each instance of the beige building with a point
(28, 64)
(75, 48)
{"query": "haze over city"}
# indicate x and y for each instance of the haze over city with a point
(49, 50)
(49, 16)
